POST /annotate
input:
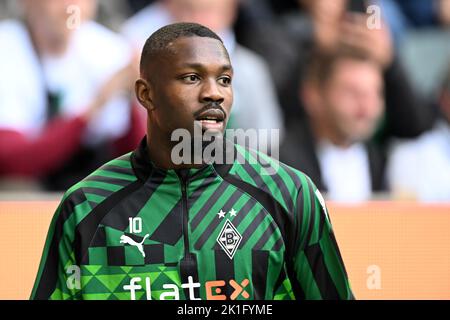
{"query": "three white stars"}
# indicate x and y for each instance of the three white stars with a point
(222, 214)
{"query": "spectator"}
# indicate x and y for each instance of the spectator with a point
(343, 98)
(420, 168)
(327, 24)
(62, 101)
(255, 103)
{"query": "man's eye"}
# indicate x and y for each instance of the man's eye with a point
(226, 81)
(191, 78)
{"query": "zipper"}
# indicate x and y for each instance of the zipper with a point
(185, 213)
(188, 265)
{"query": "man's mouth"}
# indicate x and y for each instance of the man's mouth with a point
(211, 119)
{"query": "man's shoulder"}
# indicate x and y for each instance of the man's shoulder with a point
(269, 175)
(92, 32)
(146, 21)
(14, 39)
(107, 43)
(102, 183)
(265, 164)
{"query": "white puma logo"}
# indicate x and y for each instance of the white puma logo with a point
(128, 240)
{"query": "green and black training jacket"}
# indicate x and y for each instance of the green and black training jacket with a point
(223, 231)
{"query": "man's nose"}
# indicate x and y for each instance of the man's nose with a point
(211, 92)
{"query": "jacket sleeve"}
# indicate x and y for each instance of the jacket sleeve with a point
(318, 269)
(58, 276)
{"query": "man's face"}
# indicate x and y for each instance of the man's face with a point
(352, 99)
(191, 82)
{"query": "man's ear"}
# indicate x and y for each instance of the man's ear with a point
(144, 93)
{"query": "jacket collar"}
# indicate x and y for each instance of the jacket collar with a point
(145, 169)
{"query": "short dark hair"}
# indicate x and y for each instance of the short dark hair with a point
(162, 37)
(321, 64)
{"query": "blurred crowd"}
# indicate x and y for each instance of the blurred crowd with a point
(360, 90)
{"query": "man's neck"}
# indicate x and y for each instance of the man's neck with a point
(160, 153)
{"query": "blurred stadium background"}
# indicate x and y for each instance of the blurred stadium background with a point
(360, 91)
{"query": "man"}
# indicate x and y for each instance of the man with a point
(343, 97)
(255, 102)
(327, 25)
(144, 227)
(420, 168)
(64, 94)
